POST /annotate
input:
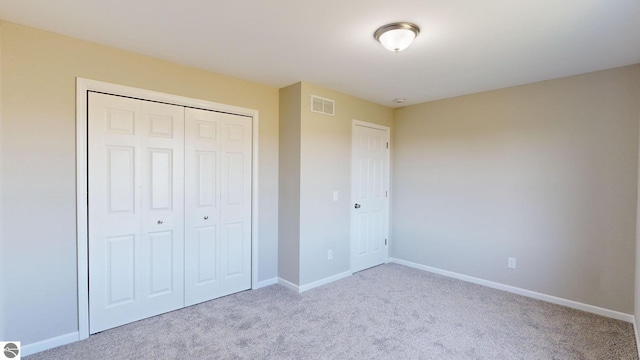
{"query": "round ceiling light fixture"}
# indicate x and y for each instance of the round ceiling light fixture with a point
(397, 36)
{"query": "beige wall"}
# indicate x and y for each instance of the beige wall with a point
(289, 189)
(545, 172)
(38, 87)
(326, 167)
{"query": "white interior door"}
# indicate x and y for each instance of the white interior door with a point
(370, 196)
(218, 205)
(136, 209)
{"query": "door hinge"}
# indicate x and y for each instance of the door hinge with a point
(386, 193)
(387, 144)
(385, 241)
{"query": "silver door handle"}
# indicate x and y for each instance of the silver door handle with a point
(357, 206)
(206, 218)
(160, 222)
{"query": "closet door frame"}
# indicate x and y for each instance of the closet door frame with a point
(83, 86)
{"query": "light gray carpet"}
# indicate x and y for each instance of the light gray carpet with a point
(387, 312)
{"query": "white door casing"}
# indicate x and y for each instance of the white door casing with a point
(218, 206)
(369, 195)
(83, 88)
(136, 206)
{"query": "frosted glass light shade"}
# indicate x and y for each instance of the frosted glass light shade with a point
(397, 40)
(397, 36)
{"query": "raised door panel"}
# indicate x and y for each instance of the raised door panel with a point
(160, 176)
(206, 261)
(120, 274)
(120, 177)
(232, 247)
(161, 253)
(206, 177)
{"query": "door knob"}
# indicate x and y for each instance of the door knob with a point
(206, 218)
(357, 206)
(160, 222)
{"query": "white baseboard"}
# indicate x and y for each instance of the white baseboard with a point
(324, 281)
(265, 283)
(315, 284)
(49, 343)
(288, 284)
(515, 290)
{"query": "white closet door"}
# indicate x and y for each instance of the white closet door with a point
(136, 209)
(217, 205)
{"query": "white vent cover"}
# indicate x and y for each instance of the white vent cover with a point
(322, 105)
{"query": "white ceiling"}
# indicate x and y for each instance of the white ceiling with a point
(465, 46)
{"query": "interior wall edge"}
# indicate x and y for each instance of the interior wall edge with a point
(289, 183)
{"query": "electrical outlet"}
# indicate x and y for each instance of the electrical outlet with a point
(335, 195)
(330, 255)
(511, 263)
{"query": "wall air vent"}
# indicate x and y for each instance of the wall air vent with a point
(322, 105)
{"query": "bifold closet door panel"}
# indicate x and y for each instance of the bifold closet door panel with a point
(136, 209)
(202, 205)
(236, 155)
(217, 204)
